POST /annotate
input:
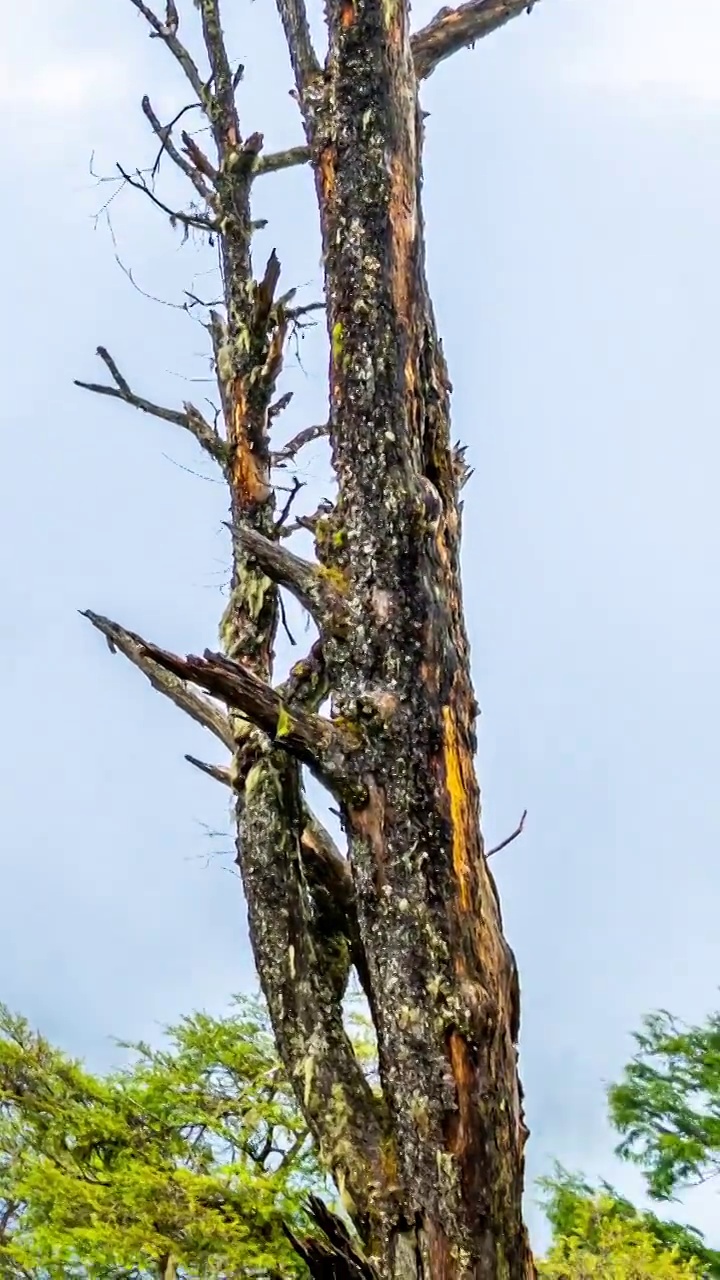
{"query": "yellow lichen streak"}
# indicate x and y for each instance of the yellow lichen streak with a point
(460, 783)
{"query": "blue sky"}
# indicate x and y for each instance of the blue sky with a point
(572, 198)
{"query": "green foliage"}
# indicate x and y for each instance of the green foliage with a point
(605, 1246)
(667, 1107)
(594, 1217)
(188, 1162)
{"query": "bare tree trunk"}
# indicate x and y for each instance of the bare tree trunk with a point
(431, 1172)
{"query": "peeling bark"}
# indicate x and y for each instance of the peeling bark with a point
(431, 1171)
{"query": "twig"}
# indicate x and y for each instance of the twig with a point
(216, 771)
(509, 839)
(284, 621)
(200, 221)
(297, 485)
(454, 29)
(164, 133)
(168, 33)
(199, 708)
(190, 419)
(163, 302)
(295, 313)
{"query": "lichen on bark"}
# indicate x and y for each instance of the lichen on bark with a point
(431, 1167)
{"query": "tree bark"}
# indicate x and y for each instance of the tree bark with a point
(432, 1170)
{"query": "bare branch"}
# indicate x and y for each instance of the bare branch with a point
(454, 29)
(226, 127)
(164, 134)
(281, 160)
(308, 583)
(281, 403)
(200, 221)
(198, 157)
(216, 771)
(509, 839)
(303, 58)
(295, 313)
(298, 442)
(168, 33)
(190, 419)
(199, 708)
(312, 739)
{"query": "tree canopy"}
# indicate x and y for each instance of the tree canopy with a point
(192, 1159)
(667, 1106)
(594, 1225)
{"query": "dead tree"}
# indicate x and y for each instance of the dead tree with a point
(431, 1171)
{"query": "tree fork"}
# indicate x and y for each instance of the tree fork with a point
(432, 1170)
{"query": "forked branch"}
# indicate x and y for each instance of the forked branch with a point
(454, 29)
(312, 739)
(163, 132)
(199, 708)
(190, 419)
(167, 31)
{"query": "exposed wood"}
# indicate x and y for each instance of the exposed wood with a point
(431, 1169)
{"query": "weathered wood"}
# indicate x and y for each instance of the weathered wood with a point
(431, 1171)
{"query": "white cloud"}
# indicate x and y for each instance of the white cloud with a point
(653, 47)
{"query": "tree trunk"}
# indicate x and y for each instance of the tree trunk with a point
(432, 1171)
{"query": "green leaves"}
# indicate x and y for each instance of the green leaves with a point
(611, 1247)
(193, 1153)
(667, 1107)
(597, 1219)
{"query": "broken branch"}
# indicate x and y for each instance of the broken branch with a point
(167, 31)
(216, 771)
(190, 419)
(509, 839)
(312, 739)
(163, 133)
(298, 442)
(454, 29)
(281, 160)
(305, 581)
(199, 708)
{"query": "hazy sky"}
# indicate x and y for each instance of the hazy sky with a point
(572, 199)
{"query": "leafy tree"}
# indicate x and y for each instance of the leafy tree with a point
(667, 1106)
(191, 1161)
(605, 1246)
(431, 1168)
(589, 1218)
